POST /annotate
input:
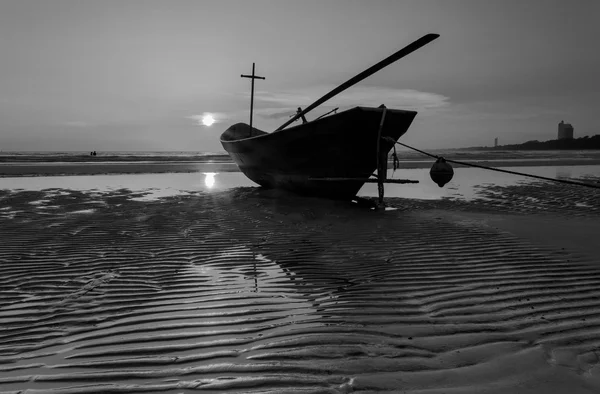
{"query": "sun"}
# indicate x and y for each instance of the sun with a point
(208, 120)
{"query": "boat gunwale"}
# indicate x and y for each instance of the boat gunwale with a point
(375, 109)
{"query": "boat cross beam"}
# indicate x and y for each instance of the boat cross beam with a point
(252, 78)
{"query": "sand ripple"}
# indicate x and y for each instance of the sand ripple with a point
(244, 291)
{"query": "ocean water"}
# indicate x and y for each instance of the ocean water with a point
(166, 154)
(403, 154)
(467, 184)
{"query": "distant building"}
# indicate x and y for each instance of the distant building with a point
(565, 131)
(496, 142)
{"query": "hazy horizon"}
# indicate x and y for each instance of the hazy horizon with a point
(139, 75)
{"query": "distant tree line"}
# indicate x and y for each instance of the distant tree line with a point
(575, 143)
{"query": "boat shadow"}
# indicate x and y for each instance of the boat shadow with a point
(281, 197)
(325, 249)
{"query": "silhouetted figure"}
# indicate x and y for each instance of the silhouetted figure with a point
(299, 112)
(94, 153)
(91, 153)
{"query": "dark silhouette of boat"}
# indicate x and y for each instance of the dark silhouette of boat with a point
(342, 145)
(331, 156)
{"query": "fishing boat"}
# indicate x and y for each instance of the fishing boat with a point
(331, 156)
(305, 158)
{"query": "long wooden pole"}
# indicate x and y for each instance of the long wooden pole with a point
(252, 98)
(381, 163)
(366, 180)
(426, 39)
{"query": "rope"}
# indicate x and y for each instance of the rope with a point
(498, 169)
(395, 159)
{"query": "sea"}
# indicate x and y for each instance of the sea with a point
(206, 174)
(403, 154)
(74, 156)
(111, 153)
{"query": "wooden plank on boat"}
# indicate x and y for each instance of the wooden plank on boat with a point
(366, 180)
(410, 48)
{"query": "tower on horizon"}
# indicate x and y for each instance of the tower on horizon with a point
(496, 142)
(565, 131)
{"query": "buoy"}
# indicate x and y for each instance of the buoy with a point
(441, 172)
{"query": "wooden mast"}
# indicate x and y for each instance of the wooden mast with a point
(252, 77)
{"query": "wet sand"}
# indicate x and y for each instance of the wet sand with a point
(40, 165)
(249, 290)
(103, 168)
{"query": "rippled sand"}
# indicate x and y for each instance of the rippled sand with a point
(250, 291)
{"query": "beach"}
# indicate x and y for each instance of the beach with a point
(197, 280)
(18, 164)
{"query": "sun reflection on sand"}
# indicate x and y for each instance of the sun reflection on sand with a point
(257, 287)
(209, 179)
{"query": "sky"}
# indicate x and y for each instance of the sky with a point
(141, 74)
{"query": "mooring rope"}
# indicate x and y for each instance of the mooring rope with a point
(498, 169)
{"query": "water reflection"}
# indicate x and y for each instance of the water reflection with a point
(468, 182)
(465, 185)
(209, 179)
(563, 172)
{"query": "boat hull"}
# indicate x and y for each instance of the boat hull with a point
(343, 145)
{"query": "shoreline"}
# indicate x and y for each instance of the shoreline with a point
(103, 158)
(65, 169)
(22, 169)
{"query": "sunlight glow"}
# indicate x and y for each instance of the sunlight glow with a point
(208, 120)
(209, 180)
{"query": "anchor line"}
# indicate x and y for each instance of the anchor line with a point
(497, 169)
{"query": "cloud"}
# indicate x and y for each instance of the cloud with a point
(76, 123)
(281, 103)
(277, 107)
(276, 113)
(392, 98)
(285, 98)
(501, 111)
